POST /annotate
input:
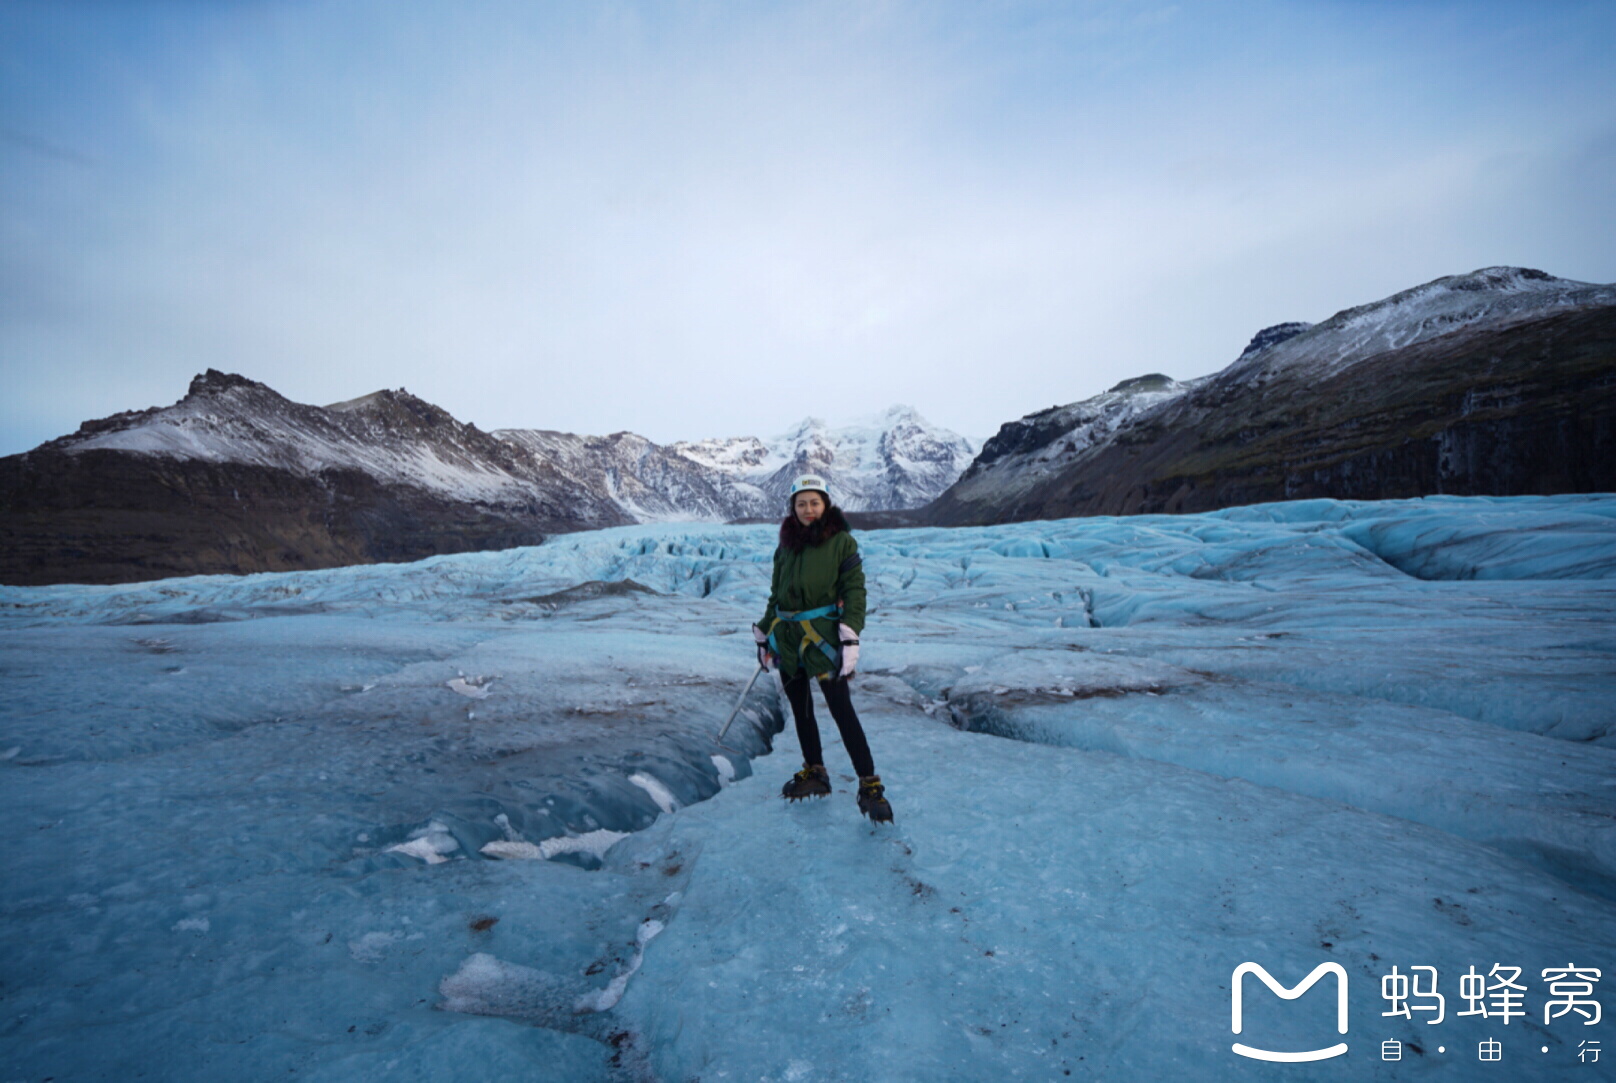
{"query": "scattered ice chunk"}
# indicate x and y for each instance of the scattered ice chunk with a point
(726, 769)
(607, 998)
(1304, 729)
(431, 844)
(472, 687)
(421, 848)
(513, 850)
(659, 793)
(594, 843)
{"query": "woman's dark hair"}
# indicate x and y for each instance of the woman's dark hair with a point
(795, 537)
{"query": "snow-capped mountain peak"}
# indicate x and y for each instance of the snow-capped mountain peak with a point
(737, 455)
(897, 414)
(1414, 315)
(1381, 399)
(891, 459)
(390, 435)
(1033, 447)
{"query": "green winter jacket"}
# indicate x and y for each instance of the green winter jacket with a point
(818, 576)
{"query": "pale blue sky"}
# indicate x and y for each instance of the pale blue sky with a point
(706, 219)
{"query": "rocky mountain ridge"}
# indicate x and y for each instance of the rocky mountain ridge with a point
(1498, 382)
(235, 477)
(893, 460)
(1502, 381)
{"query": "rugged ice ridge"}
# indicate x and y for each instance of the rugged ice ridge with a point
(466, 817)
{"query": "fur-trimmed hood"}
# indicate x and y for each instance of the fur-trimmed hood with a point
(795, 537)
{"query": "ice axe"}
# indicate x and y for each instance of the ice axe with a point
(737, 709)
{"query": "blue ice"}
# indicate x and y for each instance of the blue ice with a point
(466, 818)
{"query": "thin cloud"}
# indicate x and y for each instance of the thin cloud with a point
(33, 145)
(701, 220)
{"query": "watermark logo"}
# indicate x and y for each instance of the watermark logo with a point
(1236, 986)
(1499, 996)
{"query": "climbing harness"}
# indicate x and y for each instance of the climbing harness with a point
(805, 618)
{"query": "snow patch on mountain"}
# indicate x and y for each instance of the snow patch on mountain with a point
(647, 482)
(1414, 315)
(390, 435)
(893, 459)
(1027, 450)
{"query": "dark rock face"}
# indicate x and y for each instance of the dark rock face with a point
(1273, 336)
(235, 478)
(1510, 407)
(1023, 435)
(113, 517)
(1039, 444)
(275, 486)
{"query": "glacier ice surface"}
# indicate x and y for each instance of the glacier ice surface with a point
(447, 820)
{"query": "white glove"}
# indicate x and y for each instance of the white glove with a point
(850, 649)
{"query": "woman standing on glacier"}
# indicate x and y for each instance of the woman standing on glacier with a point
(810, 628)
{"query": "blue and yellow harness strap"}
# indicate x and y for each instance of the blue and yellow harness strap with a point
(805, 618)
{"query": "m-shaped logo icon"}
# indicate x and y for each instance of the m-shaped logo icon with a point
(1235, 985)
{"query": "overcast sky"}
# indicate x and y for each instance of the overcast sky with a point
(713, 219)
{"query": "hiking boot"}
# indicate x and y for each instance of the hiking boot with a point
(872, 799)
(811, 781)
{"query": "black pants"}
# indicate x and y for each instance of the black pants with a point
(841, 709)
